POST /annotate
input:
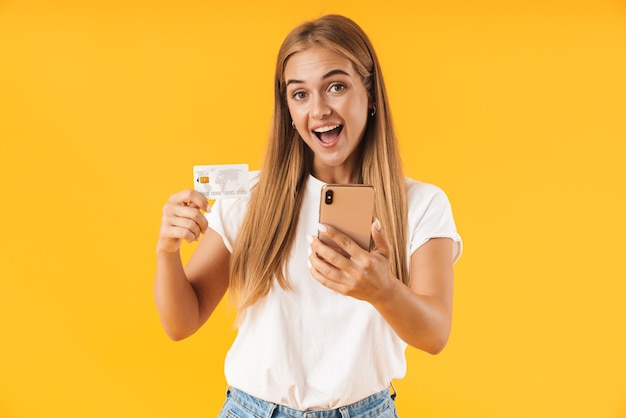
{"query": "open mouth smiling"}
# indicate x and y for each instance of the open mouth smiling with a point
(328, 134)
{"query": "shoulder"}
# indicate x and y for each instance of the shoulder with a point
(227, 214)
(253, 180)
(430, 216)
(237, 206)
(427, 203)
(416, 186)
(254, 176)
(420, 193)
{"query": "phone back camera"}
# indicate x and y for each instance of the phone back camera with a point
(329, 197)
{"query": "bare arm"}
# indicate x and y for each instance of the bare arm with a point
(186, 297)
(420, 314)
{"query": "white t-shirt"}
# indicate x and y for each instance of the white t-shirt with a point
(309, 347)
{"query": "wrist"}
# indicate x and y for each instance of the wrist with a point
(166, 248)
(388, 294)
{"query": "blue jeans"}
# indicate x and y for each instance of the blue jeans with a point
(241, 405)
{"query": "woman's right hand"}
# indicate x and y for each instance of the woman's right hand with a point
(182, 220)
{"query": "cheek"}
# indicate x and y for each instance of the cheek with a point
(297, 114)
(291, 111)
(357, 108)
(358, 115)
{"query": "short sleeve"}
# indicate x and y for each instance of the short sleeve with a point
(430, 216)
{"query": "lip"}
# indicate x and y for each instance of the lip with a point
(326, 127)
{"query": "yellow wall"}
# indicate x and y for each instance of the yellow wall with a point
(517, 109)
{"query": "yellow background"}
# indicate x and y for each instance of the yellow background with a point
(516, 109)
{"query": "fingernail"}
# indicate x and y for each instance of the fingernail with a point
(377, 225)
(309, 238)
(322, 228)
(309, 251)
(308, 263)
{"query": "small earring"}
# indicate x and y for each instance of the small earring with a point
(373, 110)
(293, 125)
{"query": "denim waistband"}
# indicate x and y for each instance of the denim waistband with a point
(371, 406)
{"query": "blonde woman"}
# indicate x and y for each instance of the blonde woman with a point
(320, 334)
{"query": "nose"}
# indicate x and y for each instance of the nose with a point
(320, 107)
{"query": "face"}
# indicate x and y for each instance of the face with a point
(329, 107)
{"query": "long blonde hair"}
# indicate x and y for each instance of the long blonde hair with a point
(268, 231)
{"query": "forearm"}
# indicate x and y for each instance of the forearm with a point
(421, 321)
(176, 299)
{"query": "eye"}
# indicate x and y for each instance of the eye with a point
(337, 87)
(299, 95)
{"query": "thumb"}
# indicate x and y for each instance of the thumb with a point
(381, 244)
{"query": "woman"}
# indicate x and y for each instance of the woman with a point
(317, 331)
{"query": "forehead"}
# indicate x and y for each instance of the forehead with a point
(314, 62)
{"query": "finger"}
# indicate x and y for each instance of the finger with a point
(186, 212)
(176, 233)
(329, 254)
(201, 219)
(186, 224)
(344, 242)
(321, 269)
(381, 244)
(317, 260)
(191, 198)
(326, 281)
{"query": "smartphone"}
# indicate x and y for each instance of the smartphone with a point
(350, 209)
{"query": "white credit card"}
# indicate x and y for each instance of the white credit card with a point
(222, 181)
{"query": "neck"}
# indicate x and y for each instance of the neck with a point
(346, 173)
(336, 176)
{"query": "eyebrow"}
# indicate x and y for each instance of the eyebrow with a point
(325, 76)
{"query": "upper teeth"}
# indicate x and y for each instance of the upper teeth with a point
(326, 128)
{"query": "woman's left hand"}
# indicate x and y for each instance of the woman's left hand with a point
(421, 314)
(364, 275)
